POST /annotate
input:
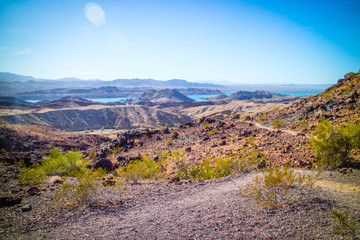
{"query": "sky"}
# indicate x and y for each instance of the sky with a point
(250, 41)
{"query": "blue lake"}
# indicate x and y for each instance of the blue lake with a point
(32, 101)
(198, 97)
(195, 97)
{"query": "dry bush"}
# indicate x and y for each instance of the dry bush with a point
(278, 187)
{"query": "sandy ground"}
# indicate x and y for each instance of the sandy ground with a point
(192, 210)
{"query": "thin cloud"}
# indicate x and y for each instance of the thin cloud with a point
(22, 51)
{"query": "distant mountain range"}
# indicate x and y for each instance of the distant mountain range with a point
(11, 84)
(14, 84)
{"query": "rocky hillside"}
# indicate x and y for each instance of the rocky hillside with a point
(339, 104)
(164, 95)
(14, 103)
(246, 95)
(95, 118)
(31, 142)
(68, 102)
(100, 92)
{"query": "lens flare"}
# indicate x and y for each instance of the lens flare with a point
(95, 14)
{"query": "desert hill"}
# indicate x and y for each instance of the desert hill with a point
(100, 92)
(339, 104)
(79, 119)
(246, 95)
(12, 102)
(164, 95)
(68, 102)
(31, 142)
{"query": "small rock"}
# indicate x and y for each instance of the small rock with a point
(33, 191)
(9, 201)
(109, 182)
(175, 135)
(26, 208)
(345, 170)
(54, 180)
(222, 143)
(174, 180)
(156, 158)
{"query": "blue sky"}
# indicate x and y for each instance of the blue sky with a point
(216, 41)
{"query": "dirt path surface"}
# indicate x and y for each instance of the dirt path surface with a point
(294, 133)
(198, 210)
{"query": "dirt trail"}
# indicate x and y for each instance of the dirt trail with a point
(294, 133)
(199, 210)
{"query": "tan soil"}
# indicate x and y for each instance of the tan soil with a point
(198, 210)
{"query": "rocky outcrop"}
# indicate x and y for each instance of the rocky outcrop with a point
(246, 95)
(339, 104)
(164, 95)
(30, 142)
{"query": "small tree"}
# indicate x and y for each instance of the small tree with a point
(334, 147)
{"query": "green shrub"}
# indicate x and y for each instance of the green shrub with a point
(220, 167)
(30, 176)
(275, 188)
(145, 168)
(69, 164)
(4, 152)
(250, 158)
(206, 125)
(334, 147)
(213, 131)
(57, 163)
(344, 226)
(261, 117)
(246, 160)
(277, 123)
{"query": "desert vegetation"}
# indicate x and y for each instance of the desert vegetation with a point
(277, 187)
(336, 147)
(80, 185)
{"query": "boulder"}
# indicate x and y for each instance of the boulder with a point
(103, 163)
